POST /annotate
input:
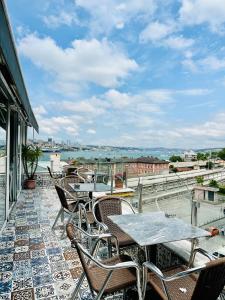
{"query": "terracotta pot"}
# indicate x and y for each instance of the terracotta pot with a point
(118, 183)
(29, 184)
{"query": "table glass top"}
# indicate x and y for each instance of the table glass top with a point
(155, 228)
(90, 187)
(91, 173)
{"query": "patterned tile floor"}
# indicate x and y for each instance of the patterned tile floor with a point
(34, 262)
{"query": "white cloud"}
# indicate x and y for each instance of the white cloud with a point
(39, 110)
(209, 63)
(109, 14)
(178, 42)
(99, 62)
(62, 18)
(91, 107)
(156, 31)
(196, 12)
(91, 131)
(212, 63)
(56, 126)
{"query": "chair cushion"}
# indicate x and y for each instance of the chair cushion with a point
(174, 286)
(120, 279)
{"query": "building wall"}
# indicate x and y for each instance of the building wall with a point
(147, 168)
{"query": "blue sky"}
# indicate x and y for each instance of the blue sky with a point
(126, 73)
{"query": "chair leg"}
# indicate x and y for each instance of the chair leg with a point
(56, 220)
(64, 230)
(73, 296)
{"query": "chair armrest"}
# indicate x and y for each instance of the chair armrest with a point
(203, 252)
(157, 272)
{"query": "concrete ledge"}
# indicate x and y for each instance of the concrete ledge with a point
(183, 250)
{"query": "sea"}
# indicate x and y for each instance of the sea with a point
(161, 153)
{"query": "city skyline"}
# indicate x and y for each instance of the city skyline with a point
(125, 73)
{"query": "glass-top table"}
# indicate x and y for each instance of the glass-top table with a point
(155, 228)
(90, 187)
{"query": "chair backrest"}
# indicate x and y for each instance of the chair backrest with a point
(75, 237)
(70, 179)
(108, 206)
(81, 172)
(50, 172)
(62, 196)
(211, 281)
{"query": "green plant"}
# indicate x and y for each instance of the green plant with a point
(175, 158)
(213, 183)
(30, 156)
(222, 189)
(221, 154)
(199, 180)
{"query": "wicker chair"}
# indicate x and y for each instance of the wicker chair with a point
(67, 180)
(81, 172)
(108, 206)
(181, 283)
(106, 276)
(56, 176)
(70, 208)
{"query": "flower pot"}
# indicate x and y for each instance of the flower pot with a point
(118, 183)
(29, 184)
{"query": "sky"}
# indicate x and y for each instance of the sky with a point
(143, 73)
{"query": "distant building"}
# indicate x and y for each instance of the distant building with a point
(189, 155)
(206, 193)
(147, 165)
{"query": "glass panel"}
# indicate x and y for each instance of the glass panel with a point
(2, 175)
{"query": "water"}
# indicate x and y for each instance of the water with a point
(91, 154)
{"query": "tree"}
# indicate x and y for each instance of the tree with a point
(199, 180)
(202, 156)
(175, 158)
(209, 165)
(213, 183)
(221, 154)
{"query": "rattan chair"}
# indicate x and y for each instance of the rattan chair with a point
(104, 276)
(182, 283)
(73, 179)
(55, 176)
(108, 206)
(81, 171)
(68, 207)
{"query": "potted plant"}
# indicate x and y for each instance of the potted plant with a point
(30, 156)
(119, 180)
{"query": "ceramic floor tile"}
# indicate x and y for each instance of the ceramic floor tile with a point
(61, 275)
(22, 242)
(5, 276)
(23, 295)
(41, 270)
(5, 296)
(37, 246)
(44, 291)
(6, 266)
(76, 272)
(21, 249)
(34, 262)
(23, 283)
(6, 258)
(5, 287)
(38, 253)
(22, 256)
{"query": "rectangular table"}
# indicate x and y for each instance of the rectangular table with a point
(90, 187)
(155, 228)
